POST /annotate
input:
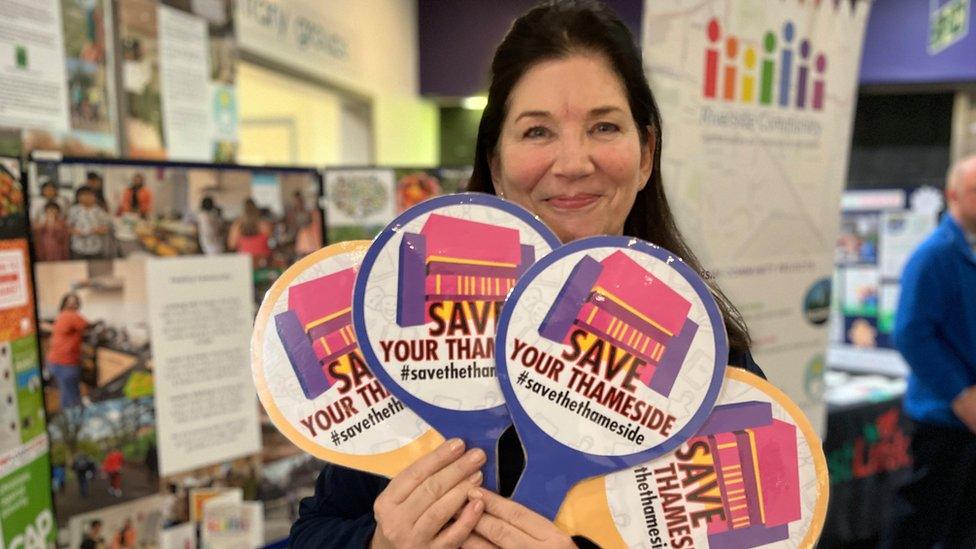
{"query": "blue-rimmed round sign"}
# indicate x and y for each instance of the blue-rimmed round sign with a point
(426, 302)
(611, 352)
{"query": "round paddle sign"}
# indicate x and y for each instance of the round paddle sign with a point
(312, 378)
(426, 303)
(611, 352)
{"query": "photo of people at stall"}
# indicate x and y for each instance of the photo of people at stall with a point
(536, 273)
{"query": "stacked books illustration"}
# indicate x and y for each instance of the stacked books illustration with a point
(625, 305)
(454, 259)
(317, 328)
(755, 460)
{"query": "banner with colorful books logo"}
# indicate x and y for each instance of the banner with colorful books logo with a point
(757, 100)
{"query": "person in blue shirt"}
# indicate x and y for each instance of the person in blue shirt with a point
(572, 133)
(935, 330)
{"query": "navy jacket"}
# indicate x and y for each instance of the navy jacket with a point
(935, 328)
(340, 514)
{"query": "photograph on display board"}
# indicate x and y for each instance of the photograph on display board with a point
(861, 299)
(12, 203)
(857, 243)
(358, 203)
(101, 211)
(143, 119)
(414, 186)
(89, 59)
(136, 523)
(99, 389)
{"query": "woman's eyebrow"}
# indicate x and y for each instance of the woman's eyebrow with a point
(532, 114)
(600, 111)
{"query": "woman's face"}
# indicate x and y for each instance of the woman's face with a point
(569, 150)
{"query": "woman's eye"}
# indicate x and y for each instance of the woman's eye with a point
(606, 127)
(536, 132)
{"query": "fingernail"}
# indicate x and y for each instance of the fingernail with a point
(478, 506)
(476, 478)
(474, 493)
(455, 445)
(477, 456)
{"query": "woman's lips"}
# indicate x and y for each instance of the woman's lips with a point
(574, 202)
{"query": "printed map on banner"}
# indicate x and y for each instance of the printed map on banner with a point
(757, 101)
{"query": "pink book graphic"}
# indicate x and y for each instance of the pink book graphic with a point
(756, 464)
(453, 259)
(624, 304)
(317, 328)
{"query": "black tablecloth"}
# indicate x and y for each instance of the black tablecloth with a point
(868, 459)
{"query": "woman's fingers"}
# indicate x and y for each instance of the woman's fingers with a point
(459, 531)
(514, 513)
(440, 482)
(475, 541)
(503, 534)
(509, 524)
(410, 478)
(444, 509)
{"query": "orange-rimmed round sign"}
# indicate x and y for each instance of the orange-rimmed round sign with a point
(754, 475)
(312, 379)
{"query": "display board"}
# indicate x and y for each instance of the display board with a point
(138, 274)
(879, 231)
(757, 101)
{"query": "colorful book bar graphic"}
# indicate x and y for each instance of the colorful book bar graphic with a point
(622, 303)
(317, 328)
(454, 259)
(755, 460)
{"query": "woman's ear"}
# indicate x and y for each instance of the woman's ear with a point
(495, 169)
(648, 148)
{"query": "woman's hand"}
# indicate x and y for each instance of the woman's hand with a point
(417, 507)
(506, 523)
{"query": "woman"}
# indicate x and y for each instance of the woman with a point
(64, 350)
(250, 234)
(572, 133)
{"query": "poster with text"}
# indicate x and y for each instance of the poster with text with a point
(178, 76)
(200, 312)
(33, 90)
(26, 519)
(757, 100)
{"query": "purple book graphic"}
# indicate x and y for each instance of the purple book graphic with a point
(317, 328)
(755, 461)
(625, 305)
(453, 259)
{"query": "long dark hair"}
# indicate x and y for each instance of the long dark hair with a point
(559, 28)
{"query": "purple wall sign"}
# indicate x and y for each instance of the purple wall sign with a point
(896, 47)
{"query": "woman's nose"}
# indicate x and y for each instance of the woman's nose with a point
(573, 158)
